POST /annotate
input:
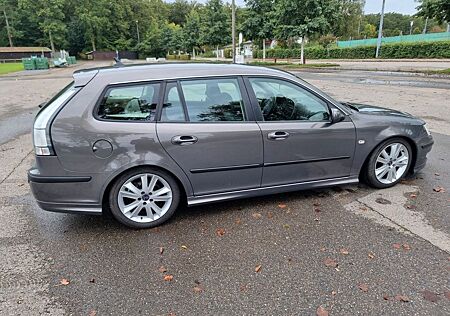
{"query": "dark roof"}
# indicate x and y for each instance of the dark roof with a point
(24, 49)
(176, 70)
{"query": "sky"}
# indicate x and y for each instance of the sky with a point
(372, 6)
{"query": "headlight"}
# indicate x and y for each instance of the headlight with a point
(426, 129)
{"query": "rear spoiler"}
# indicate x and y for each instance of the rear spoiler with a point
(82, 78)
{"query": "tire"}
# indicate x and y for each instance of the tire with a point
(124, 195)
(400, 165)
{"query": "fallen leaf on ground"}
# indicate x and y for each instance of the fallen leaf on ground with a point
(397, 246)
(363, 287)
(162, 269)
(330, 262)
(257, 215)
(402, 298)
(380, 200)
(321, 311)
(344, 251)
(316, 204)
(238, 221)
(168, 277)
(333, 293)
(220, 232)
(258, 268)
(269, 215)
(406, 247)
(317, 210)
(282, 205)
(436, 174)
(386, 297)
(438, 189)
(412, 196)
(197, 289)
(184, 247)
(323, 249)
(286, 226)
(243, 287)
(161, 250)
(92, 313)
(371, 255)
(171, 314)
(430, 296)
(64, 282)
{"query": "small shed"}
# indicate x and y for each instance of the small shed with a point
(17, 53)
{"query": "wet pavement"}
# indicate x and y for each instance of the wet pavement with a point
(352, 250)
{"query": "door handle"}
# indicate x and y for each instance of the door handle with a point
(278, 135)
(184, 140)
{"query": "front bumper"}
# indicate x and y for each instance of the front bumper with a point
(62, 193)
(423, 148)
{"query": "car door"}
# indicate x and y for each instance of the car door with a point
(300, 141)
(208, 128)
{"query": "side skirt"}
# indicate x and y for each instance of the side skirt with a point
(217, 197)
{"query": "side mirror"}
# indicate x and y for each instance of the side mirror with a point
(336, 116)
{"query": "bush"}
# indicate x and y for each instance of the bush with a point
(228, 53)
(439, 49)
(178, 57)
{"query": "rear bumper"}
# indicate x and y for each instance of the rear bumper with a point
(62, 193)
(423, 148)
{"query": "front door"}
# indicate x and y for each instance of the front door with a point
(205, 127)
(300, 142)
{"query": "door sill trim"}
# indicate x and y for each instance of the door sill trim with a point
(217, 197)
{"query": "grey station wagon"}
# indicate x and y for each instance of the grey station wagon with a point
(142, 139)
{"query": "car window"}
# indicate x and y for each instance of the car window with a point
(132, 103)
(172, 107)
(281, 100)
(213, 100)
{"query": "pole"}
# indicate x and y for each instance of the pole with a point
(410, 27)
(233, 29)
(8, 29)
(425, 27)
(380, 31)
(137, 31)
(264, 49)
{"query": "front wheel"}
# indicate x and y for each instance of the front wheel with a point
(144, 197)
(389, 163)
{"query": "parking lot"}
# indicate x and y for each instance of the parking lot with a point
(346, 250)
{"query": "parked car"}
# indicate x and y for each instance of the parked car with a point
(141, 140)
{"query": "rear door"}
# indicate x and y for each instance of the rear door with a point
(208, 128)
(300, 141)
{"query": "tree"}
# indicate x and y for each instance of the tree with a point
(214, 27)
(349, 21)
(94, 15)
(302, 18)
(438, 9)
(191, 31)
(179, 10)
(49, 16)
(370, 31)
(260, 21)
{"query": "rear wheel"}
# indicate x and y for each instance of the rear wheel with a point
(389, 163)
(144, 197)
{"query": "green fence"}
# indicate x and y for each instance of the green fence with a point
(432, 37)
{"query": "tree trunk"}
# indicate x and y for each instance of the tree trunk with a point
(52, 45)
(302, 51)
(217, 52)
(193, 52)
(264, 49)
(93, 44)
(8, 29)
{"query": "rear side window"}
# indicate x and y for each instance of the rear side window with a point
(130, 103)
(213, 100)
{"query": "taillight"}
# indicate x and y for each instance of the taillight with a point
(41, 128)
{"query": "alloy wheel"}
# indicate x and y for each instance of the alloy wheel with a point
(391, 163)
(145, 197)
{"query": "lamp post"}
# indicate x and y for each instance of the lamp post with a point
(233, 30)
(380, 31)
(137, 31)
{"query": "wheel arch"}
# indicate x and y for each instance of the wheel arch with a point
(107, 189)
(407, 139)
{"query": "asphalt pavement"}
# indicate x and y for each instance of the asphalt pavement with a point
(349, 250)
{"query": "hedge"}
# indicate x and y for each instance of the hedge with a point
(180, 57)
(439, 49)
